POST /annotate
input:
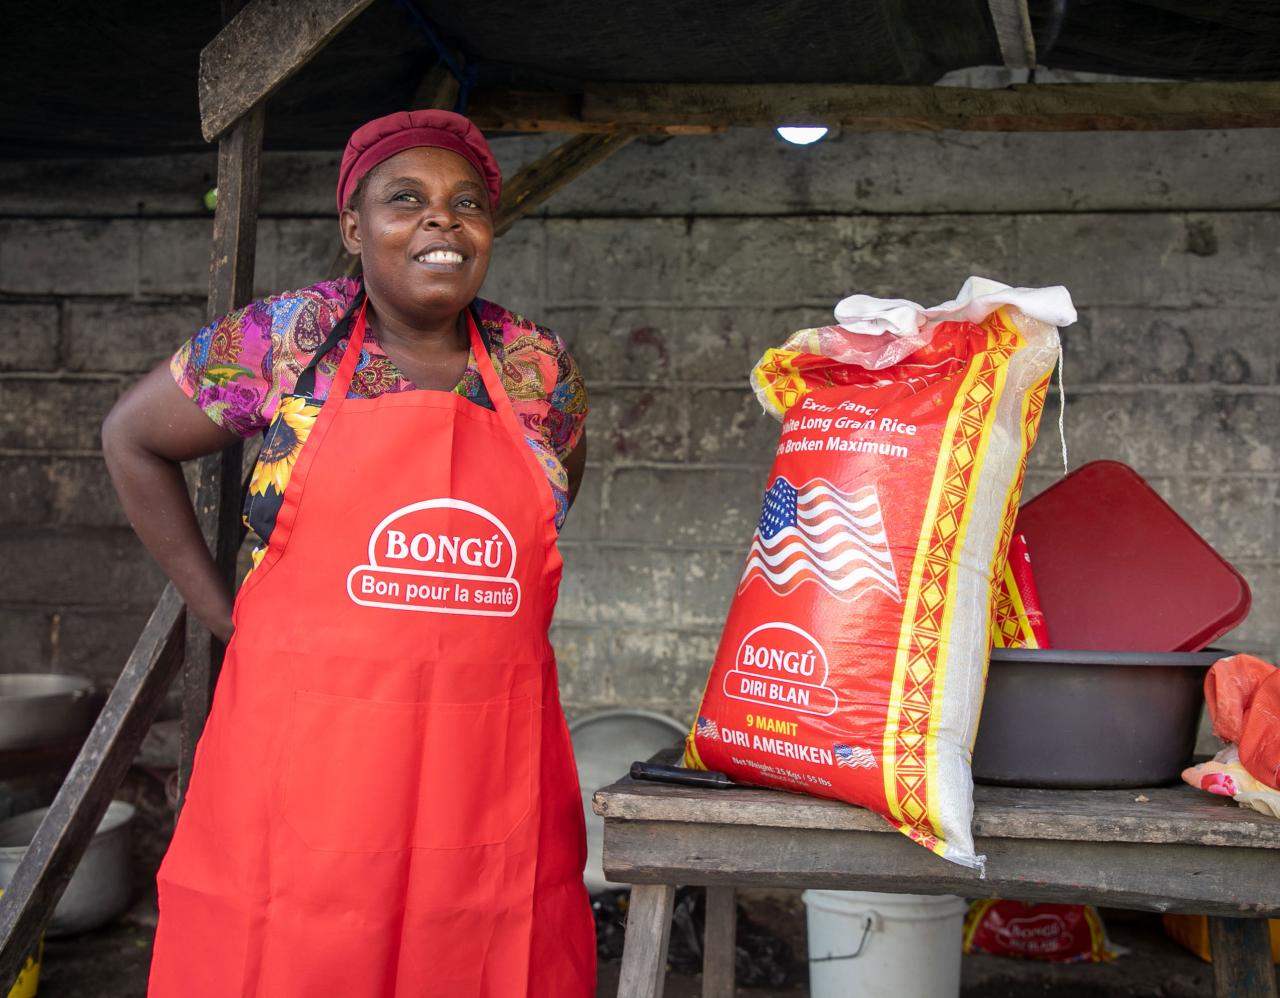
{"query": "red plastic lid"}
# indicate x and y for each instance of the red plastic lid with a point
(1118, 569)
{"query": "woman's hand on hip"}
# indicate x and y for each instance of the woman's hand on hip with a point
(146, 436)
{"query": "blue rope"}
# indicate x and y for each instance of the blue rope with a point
(465, 75)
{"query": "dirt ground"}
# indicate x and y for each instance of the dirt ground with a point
(112, 963)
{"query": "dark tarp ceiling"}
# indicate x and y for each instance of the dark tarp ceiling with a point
(92, 78)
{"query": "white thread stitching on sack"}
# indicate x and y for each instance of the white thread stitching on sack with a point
(1062, 413)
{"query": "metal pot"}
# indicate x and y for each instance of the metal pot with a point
(43, 709)
(1089, 719)
(102, 884)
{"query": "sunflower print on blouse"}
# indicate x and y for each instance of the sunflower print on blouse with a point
(282, 445)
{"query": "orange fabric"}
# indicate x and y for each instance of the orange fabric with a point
(1260, 742)
(1243, 697)
(1228, 689)
(384, 800)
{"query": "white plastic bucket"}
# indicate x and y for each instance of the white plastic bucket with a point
(865, 945)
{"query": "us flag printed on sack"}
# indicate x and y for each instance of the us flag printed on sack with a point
(820, 535)
(852, 660)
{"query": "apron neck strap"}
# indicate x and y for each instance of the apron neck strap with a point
(350, 358)
(489, 375)
(506, 412)
(306, 383)
(355, 322)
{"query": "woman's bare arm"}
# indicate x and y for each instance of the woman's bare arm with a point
(146, 436)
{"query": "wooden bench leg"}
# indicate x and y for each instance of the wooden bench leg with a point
(719, 949)
(1242, 958)
(644, 948)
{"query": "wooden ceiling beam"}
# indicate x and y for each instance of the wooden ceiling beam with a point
(260, 48)
(528, 111)
(676, 108)
(534, 184)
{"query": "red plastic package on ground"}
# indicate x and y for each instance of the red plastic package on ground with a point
(1061, 933)
(852, 660)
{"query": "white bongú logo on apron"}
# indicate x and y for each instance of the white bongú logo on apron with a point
(439, 556)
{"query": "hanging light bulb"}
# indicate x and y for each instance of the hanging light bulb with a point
(802, 135)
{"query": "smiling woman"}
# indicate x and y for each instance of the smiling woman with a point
(423, 229)
(327, 846)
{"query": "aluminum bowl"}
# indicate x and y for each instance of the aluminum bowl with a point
(38, 709)
(101, 887)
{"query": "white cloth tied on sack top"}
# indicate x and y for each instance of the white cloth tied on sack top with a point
(876, 333)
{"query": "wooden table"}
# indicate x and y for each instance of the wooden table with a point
(1170, 849)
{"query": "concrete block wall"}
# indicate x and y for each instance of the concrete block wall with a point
(669, 270)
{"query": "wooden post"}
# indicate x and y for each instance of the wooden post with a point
(644, 947)
(217, 498)
(719, 947)
(1242, 965)
(64, 834)
(1012, 22)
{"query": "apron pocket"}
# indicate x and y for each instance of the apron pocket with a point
(379, 776)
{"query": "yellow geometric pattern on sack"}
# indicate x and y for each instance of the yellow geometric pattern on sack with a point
(782, 384)
(978, 440)
(921, 646)
(1010, 627)
(1032, 407)
(691, 758)
(906, 768)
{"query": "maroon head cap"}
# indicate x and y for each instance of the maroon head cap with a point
(382, 138)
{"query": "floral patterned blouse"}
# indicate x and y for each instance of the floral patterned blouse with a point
(241, 370)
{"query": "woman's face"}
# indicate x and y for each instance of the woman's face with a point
(423, 230)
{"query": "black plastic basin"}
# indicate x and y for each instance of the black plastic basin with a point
(1089, 719)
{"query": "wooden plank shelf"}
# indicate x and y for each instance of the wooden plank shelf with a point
(1160, 849)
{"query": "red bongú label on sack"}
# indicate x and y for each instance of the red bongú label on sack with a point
(439, 556)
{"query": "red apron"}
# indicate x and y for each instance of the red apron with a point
(384, 800)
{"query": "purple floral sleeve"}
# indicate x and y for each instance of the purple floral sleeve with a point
(567, 403)
(226, 370)
(237, 368)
